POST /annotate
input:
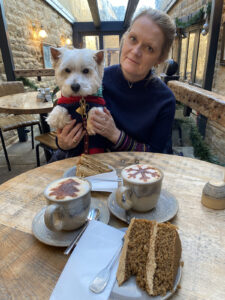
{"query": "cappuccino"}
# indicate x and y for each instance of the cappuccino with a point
(67, 189)
(141, 174)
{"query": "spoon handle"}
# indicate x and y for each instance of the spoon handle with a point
(76, 239)
(99, 283)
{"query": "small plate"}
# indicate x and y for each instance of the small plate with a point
(63, 238)
(130, 291)
(72, 171)
(165, 210)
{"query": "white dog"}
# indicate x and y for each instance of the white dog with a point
(79, 75)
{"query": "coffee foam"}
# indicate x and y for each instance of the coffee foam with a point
(67, 189)
(141, 173)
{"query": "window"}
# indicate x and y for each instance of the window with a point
(111, 46)
(91, 42)
(192, 55)
(184, 43)
(201, 59)
(189, 68)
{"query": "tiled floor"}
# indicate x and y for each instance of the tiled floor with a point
(22, 158)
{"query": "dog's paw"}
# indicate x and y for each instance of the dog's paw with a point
(58, 117)
(90, 128)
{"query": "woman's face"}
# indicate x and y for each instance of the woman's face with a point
(142, 47)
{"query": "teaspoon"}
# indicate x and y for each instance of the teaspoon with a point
(93, 215)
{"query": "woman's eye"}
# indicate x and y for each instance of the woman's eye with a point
(85, 71)
(150, 49)
(132, 38)
(67, 70)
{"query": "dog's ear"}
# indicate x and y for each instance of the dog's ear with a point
(99, 56)
(56, 53)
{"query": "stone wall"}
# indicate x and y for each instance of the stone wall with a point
(215, 135)
(24, 19)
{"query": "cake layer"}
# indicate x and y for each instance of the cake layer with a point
(89, 166)
(152, 253)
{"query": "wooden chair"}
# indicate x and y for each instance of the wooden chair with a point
(11, 122)
(46, 141)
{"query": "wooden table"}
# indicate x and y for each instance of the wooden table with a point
(26, 103)
(30, 269)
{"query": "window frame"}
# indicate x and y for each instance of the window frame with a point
(222, 57)
(197, 30)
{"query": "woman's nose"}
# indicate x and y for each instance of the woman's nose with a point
(137, 50)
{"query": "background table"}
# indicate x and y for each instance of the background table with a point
(26, 103)
(30, 269)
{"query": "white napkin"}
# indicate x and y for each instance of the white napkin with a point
(103, 183)
(93, 252)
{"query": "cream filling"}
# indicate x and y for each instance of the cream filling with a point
(151, 264)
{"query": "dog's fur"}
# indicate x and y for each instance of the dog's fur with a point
(78, 72)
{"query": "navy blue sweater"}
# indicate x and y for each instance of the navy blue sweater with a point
(145, 112)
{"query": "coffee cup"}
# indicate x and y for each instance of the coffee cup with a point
(141, 187)
(68, 202)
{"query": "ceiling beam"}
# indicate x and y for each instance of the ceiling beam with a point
(94, 12)
(131, 7)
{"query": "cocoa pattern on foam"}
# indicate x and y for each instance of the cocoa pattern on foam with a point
(146, 172)
(66, 188)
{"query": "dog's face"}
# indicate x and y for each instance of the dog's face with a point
(78, 72)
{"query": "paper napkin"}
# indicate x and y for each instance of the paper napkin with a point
(93, 252)
(102, 183)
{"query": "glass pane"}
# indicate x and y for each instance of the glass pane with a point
(201, 59)
(91, 42)
(112, 10)
(111, 46)
(143, 4)
(79, 9)
(183, 57)
(190, 55)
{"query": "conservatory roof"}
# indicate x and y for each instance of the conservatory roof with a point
(99, 10)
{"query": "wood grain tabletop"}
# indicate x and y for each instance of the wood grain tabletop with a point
(30, 269)
(24, 103)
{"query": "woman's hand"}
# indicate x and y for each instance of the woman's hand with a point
(70, 136)
(103, 124)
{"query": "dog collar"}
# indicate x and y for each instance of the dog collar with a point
(90, 99)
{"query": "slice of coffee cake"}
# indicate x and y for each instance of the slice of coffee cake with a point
(89, 166)
(152, 252)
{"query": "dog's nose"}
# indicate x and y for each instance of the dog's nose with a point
(75, 87)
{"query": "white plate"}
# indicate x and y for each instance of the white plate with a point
(72, 171)
(130, 291)
(63, 238)
(165, 210)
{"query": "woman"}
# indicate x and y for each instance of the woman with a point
(140, 107)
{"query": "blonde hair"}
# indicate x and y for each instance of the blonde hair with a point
(165, 23)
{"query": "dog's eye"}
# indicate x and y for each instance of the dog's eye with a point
(67, 70)
(85, 71)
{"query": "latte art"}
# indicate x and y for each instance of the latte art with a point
(141, 173)
(67, 188)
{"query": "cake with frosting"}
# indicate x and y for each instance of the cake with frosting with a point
(152, 253)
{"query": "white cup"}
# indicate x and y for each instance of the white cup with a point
(141, 187)
(69, 202)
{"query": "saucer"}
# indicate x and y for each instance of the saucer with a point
(72, 171)
(63, 238)
(165, 210)
(129, 290)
